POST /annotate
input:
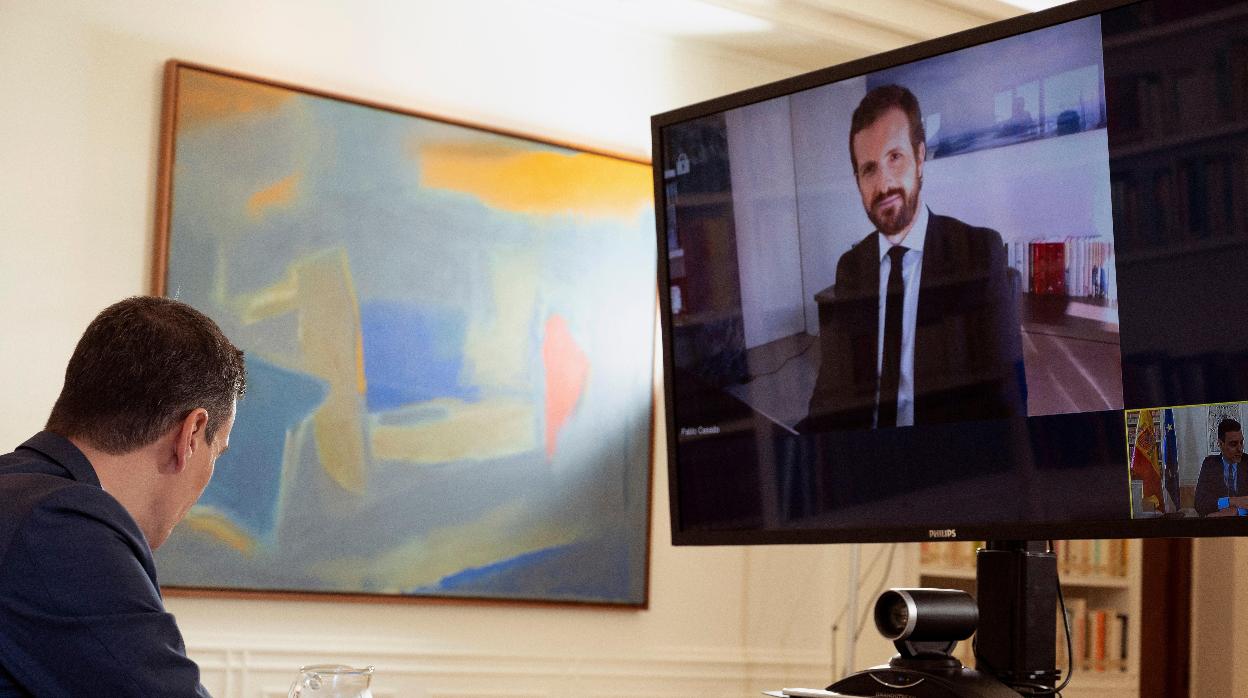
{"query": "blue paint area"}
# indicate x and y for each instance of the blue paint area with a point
(591, 570)
(247, 483)
(412, 354)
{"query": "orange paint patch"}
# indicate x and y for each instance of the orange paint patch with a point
(280, 194)
(542, 183)
(219, 526)
(566, 369)
(205, 98)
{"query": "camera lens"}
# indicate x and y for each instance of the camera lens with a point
(926, 614)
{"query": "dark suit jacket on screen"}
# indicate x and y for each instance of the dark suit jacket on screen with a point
(80, 611)
(1211, 485)
(967, 348)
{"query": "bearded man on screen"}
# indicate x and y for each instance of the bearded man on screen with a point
(921, 325)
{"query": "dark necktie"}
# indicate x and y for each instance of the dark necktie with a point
(1232, 478)
(890, 368)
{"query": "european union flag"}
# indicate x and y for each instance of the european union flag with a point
(1170, 459)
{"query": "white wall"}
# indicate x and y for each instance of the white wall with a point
(1054, 187)
(764, 207)
(828, 202)
(78, 153)
(1191, 430)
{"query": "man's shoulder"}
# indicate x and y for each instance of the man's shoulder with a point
(1211, 461)
(948, 225)
(42, 504)
(29, 476)
(957, 244)
(865, 251)
(23, 489)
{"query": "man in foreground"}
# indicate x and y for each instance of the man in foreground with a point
(921, 326)
(1222, 487)
(146, 409)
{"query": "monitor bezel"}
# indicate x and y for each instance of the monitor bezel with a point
(1118, 528)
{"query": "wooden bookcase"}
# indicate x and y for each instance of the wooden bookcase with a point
(1095, 576)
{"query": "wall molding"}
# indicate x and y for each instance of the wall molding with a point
(264, 667)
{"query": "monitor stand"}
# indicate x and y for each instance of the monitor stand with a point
(1015, 648)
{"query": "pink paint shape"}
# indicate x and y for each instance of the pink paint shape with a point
(566, 368)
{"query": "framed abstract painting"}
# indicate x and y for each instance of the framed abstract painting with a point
(449, 334)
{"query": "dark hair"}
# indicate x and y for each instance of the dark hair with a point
(141, 366)
(1226, 425)
(873, 106)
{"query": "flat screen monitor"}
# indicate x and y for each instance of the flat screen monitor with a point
(990, 286)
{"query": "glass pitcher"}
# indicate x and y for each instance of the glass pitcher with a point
(332, 681)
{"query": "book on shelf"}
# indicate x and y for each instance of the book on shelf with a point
(1077, 609)
(1136, 106)
(1098, 638)
(1125, 200)
(1124, 641)
(1117, 647)
(1192, 199)
(1107, 558)
(1048, 267)
(1195, 95)
(1232, 79)
(1079, 266)
(1165, 203)
(954, 554)
(1092, 558)
(1207, 196)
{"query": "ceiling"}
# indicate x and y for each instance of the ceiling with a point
(804, 34)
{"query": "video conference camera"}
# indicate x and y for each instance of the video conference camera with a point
(924, 625)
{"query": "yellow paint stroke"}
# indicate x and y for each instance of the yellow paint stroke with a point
(499, 340)
(218, 526)
(319, 288)
(280, 194)
(276, 299)
(504, 533)
(330, 338)
(491, 428)
(542, 183)
(205, 98)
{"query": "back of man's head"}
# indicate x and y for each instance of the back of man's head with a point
(141, 366)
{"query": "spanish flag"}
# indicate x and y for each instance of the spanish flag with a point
(1144, 464)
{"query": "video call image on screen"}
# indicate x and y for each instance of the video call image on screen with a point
(940, 292)
(1186, 461)
(1000, 285)
(1010, 178)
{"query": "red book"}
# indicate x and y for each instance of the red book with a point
(1048, 268)
(1098, 639)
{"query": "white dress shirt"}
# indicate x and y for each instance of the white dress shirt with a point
(911, 269)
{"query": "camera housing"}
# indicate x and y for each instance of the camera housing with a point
(921, 615)
(925, 625)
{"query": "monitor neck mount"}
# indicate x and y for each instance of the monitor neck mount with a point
(1016, 587)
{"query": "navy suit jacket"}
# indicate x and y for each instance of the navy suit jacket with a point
(1211, 484)
(80, 610)
(967, 346)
